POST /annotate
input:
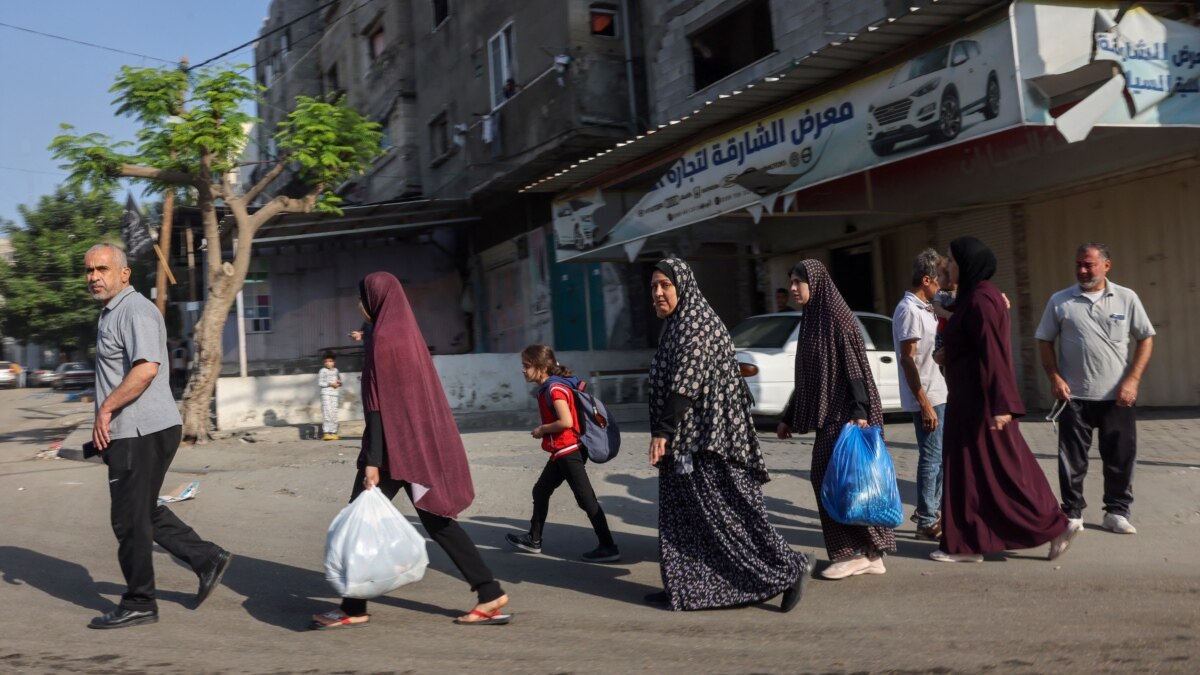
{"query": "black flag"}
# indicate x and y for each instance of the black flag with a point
(134, 231)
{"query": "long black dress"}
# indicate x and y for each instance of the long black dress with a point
(716, 543)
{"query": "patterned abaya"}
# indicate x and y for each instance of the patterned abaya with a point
(833, 380)
(717, 546)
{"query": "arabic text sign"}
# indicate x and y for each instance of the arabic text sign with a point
(962, 89)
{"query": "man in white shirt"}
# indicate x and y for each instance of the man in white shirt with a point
(922, 387)
(1094, 377)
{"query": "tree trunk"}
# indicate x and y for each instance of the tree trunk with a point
(197, 398)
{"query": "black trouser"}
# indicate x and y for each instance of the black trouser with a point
(1118, 452)
(448, 534)
(569, 468)
(136, 469)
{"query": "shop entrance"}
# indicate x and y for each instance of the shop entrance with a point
(853, 274)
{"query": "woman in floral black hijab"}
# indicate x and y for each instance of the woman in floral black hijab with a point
(717, 546)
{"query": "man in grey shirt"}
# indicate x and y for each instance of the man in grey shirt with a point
(137, 430)
(922, 388)
(1094, 378)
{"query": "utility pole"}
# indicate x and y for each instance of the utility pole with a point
(164, 233)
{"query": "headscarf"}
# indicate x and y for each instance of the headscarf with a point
(830, 353)
(423, 446)
(976, 263)
(696, 359)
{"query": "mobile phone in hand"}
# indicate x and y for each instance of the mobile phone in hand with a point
(90, 450)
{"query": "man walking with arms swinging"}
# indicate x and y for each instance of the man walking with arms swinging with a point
(137, 430)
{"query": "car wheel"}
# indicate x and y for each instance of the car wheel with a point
(950, 118)
(991, 105)
(882, 148)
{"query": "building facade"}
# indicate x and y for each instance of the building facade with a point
(860, 133)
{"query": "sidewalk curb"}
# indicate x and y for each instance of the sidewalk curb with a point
(72, 445)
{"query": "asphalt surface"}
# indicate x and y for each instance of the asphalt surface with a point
(1112, 604)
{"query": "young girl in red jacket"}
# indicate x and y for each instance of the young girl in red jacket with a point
(559, 432)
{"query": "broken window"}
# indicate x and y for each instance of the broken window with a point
(731, 43)
(500, 61)
(602, 17)
(441, 11)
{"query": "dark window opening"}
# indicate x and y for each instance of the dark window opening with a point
(441, 11)
(602, 18)
(732, 42)
(376, 43)
(439, 136)
(332, 85)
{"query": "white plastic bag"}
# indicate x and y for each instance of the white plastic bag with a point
(372, 549)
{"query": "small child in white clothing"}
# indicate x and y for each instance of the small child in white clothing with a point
(330, 382)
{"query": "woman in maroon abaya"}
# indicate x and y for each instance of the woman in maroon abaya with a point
(412, 443)
(996, 497)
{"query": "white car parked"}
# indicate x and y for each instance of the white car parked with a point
(766, 351)
(930, 95)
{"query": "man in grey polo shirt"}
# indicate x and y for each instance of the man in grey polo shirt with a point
(137, 430)
(922, 387)
(1094, 377)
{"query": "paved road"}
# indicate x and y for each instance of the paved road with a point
(1112, 604)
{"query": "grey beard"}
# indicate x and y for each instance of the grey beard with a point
(1091, 285)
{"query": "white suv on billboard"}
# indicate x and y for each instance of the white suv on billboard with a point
(766, 352)
(930, 95)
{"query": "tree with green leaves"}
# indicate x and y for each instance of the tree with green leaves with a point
(190, 138)
(45, 297)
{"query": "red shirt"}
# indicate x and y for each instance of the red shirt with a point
(566, 441)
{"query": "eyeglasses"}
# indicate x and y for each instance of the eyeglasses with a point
(1056, 410)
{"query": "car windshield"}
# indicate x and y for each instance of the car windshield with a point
(927, 63)
(764, 332)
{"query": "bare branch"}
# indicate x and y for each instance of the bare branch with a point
(282, 204)
(173, 177)
(266, 180)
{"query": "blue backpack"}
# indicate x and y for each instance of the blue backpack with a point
(598, 431)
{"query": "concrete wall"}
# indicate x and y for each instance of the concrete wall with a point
(383, 89)
(484, 389)
(544, 125)
(314, 297)
(798, 27)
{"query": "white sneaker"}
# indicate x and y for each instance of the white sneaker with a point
(941, 556)
(850, 567)
(1118, 524)
(1075, 524)
(876, 565)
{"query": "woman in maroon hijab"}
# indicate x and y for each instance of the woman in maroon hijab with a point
(996, 497)
(412, 442)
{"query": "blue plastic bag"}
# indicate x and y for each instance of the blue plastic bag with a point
(860, 483)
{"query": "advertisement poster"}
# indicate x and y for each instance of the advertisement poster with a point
(963, 89)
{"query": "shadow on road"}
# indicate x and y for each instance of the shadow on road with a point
(67, 580)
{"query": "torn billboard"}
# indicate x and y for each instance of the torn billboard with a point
(1086, 66)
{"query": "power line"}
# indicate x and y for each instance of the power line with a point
(266, 34)
(86, 44)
